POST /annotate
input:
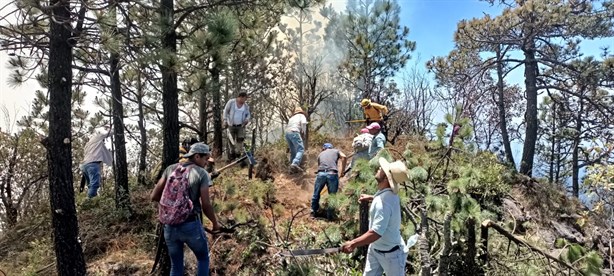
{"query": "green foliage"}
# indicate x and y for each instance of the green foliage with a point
(38, 256)
(377, 46)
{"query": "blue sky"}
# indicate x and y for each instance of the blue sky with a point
(432, 22)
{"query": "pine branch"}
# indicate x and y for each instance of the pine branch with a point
(490, 224)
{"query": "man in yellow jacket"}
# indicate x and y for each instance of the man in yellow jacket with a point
(374, 112)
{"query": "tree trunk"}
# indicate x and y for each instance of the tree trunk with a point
(202, 111)
(68, 252)
(364, 224)
(530, 81)
(217, 111)
(575, 181)
(424, 247)
(122, 192)
(6, 189)
(502, 112)
(552, 144)
(444, 259)
(472, 252)
(142, 180)
(170, 104)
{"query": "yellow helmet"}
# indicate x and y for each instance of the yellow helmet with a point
(365, 102)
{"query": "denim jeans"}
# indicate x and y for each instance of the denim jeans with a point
(192, 234)
(92, 172)
(295, 142)
(331, 180)
(392, 263)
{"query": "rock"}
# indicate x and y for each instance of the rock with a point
(567, 232)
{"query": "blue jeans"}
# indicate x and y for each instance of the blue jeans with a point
(331, 180)
(295, 142)
(92, 172)
(192, 234)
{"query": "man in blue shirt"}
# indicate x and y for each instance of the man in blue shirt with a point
(379, 140)
(386, 247)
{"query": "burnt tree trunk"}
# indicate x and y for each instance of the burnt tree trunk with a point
(217, 111)
(68, 251)
(575, 166)
(530, 81)
(364, 225)
(122, 193)
(502, 112)
(170, 101)
(142, 179)
(202, 111)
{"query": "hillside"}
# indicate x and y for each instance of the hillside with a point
(274, 216)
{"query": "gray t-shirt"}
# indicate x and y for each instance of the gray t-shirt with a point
(198, 178)
(327, 160)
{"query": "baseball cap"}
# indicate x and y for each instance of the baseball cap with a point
(327, 146)
(197, 148)
(374, 126)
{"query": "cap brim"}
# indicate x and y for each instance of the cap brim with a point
(385, 165)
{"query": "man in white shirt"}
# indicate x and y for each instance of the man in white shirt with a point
(386, 252)
(236, 117)
(297, 126)
(95, 153)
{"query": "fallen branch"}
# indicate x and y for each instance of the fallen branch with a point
(490, 224)
(41, 270)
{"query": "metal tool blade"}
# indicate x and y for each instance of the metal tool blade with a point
(310, 252)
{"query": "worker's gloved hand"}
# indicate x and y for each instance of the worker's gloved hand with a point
(215, 174)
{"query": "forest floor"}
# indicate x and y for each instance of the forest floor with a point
(116, 245)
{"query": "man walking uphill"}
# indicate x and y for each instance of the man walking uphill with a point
(95, 154)
(183, 193)
(387, 252)
(379, 140)
(328, 174)
(236, 117)
(297, 126)
(374, 112)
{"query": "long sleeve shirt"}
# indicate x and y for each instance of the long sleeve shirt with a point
(375, 112)
(95, 150)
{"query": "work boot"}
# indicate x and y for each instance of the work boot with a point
(296, 168)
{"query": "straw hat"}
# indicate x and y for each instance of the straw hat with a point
(396, 172)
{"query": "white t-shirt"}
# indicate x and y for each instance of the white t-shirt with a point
(238, 115)
(297, 123)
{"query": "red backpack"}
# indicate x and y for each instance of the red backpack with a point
(175, 205)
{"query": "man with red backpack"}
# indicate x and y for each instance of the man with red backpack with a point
(181, 191)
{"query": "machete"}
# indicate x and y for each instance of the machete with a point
(230, 138)
(309, 252)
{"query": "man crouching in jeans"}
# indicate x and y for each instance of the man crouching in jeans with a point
(181, 191)
(386, 247)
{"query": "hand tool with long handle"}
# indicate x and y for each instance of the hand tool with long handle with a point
(309, 252)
